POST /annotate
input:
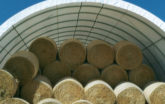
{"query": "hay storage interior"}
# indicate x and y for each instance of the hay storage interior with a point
(86, 20)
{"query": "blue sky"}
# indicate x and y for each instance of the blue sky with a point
(9, 7)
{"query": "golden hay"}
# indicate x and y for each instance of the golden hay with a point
(45, 49)
(114, 74)
(155, 93)
(129, 93)
(35, 91)
(142, 75)
(23, 65)
(8, 85)
(56, 71)
(128, 55)
(72, 52)
(99, 92)
(68, 91)
(85, 73)
(100, 54)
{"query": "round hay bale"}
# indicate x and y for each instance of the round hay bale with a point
(82, 102)
(68, 91)
(114, 74)
(100, 54)
(23, 65)
(72, 52)
(129, 93)
(45, 49)
(8, 85)
(35, 91)
(85, 73)
(56, 71)
(43, 78)
(49, 101)
(128, 55)
(13, 101)
(99, 92)
(142, 75)
(155, 93)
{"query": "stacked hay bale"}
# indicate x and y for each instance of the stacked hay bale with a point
(85, 73)
(129, 93)
(45, 49)
(142, 75)
(114, 74)
(154, 93)
(128, 55)
(99, 92)
(36, 90)
(8, 85)
(56, 71)
(68, 91)
(105, 62)
(73, 53)
(100, 54)
(23, 65)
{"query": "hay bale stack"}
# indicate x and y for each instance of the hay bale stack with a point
(114, 74)
(45, 49)
(100, 54)
(8, 85)
(68, 91)
(128, 55)
(155, 93)
(72, 52)
(13, 101)
(23, 65)
(129, 93)
(55, 71)
(49, 101)
(82, 102)
(35, 91)
(85, 73)
(99, 92)
(43, 78)
(142, 75)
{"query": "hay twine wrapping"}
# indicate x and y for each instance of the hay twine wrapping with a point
(49, 101)
(155, 93)
(142, 75)
(114, 74)
(13, 101)
(100, 54)
(8, 85)
(82, 102)
(35, 91)
(85, 73)
(73, 53)
(45, 49)
(99, 92)
(128, 55)
(68, 91)
(22, 65)
(55, 71)
(129, 93)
